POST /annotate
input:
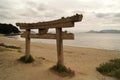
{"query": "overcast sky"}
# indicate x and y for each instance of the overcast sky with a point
(97, 14)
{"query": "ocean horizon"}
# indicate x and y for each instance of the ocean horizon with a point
(109, 41)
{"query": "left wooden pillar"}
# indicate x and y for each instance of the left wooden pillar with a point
(59, 47)
(27, 42)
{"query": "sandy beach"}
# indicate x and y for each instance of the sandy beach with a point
(82, 60)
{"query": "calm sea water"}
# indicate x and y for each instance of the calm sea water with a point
(92, 40)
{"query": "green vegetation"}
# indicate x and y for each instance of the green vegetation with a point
(62, 71)
(9, 46)
(3, 49)
(112, 68)
(28, 60)
(8, 29)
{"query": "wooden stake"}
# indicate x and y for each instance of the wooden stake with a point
(59, 46)
(27, 52)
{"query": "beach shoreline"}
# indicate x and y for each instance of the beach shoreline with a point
(82, 60)
(88, 40)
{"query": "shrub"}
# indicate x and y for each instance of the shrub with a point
(117, 73)
(24, 60)
(2, 49)
(8, 29)
(9, 46)
(62, 70)
(13, 47)
(112, 68)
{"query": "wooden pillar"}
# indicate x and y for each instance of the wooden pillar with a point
(27, 51)
(59, 47)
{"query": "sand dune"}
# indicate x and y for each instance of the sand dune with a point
(82, 60)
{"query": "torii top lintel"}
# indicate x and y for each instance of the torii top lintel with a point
(60, 23)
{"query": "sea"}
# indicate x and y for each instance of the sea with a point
(109, 41)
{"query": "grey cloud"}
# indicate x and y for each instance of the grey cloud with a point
(102, 15)
(117, 20)
(3, 7)
(29, 11)
(42, 7)
(38, 6)
(78, 11)
(2, 16)
(117, 15)
(39, 10)
(109, 17)
(5, 4)
(7, 10)
(7, 14)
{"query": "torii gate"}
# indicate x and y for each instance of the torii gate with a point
(43, 29)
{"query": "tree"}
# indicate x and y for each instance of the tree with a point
(8, 29)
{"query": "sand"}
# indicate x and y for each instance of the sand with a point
(82, 60)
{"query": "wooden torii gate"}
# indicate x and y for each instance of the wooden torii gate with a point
(43, 29)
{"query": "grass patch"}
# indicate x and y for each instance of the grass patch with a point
(9, 46)
(2, 49)
(112, 68)
(62, 71)
(28, 60)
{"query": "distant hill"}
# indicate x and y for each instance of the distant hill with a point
(104, 31)
(8, 29)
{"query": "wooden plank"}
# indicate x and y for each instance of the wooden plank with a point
(63, 22)
(43, 31)
(59, 42)
(27, 50)
(74, 18)
(65, 36)
(38, 26)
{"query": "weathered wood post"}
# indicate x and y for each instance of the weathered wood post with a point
(59, 47)
(27, 42)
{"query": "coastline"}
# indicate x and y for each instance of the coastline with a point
(82, 60)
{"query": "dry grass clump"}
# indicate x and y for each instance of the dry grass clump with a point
(62, 71)
(28, 60)
(111, 68)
